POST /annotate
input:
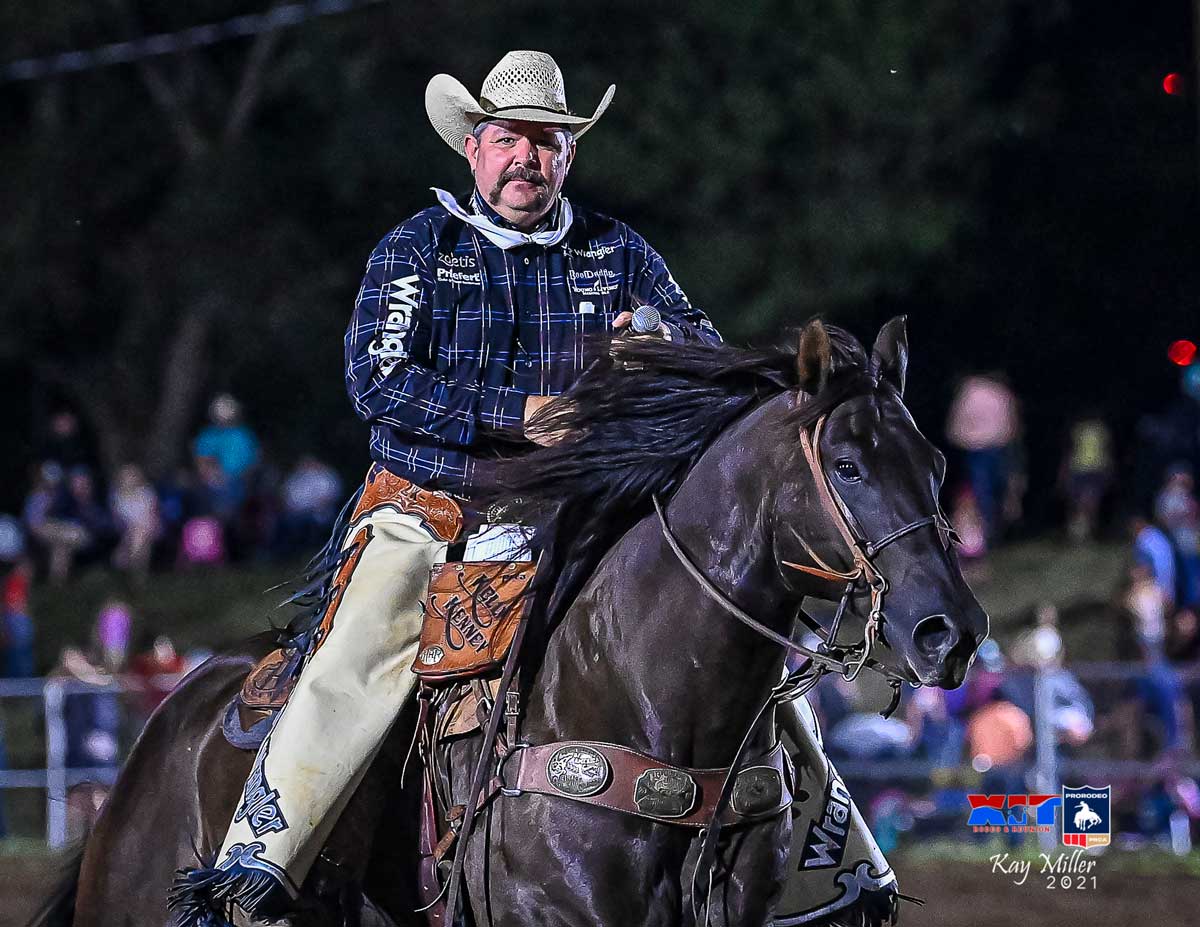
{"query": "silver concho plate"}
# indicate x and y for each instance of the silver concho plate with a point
(577, 770)
(665, 793)
(431, 655)
(758, 789)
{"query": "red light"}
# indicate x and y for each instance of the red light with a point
(1173, 84)
(1181, 353)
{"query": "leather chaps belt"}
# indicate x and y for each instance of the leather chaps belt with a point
(625, 780)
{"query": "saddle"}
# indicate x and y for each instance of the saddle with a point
(471, 615)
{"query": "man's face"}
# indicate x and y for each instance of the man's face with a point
(520, 167)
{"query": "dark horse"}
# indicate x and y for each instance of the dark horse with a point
(630, 649)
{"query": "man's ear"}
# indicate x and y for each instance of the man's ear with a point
(471, 150)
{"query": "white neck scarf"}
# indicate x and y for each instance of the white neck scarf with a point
(509, 238)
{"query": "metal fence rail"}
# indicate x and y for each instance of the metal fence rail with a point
(56, 778)
(1048, 767)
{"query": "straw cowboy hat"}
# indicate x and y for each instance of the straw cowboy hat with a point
(525, 85)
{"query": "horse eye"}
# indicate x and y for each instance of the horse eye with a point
(847, 471)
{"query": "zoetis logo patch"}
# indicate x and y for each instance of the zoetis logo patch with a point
(1087, 815)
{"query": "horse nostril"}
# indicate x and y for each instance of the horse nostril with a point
(935, 636)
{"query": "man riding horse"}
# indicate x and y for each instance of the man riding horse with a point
(472, 315)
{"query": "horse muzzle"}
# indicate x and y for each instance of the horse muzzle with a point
(942, 651)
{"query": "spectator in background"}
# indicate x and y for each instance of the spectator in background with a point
(968, 523)
(1155, 713)
(113, 631)
(999, 738)
(81, 507)
(158, 667)
(63, 443)
(92, 717)
(216, 495)
(1147, 604)
(1183, 649)
(984, 426)
(999, 735)
(16, 626)
(1183, 637)
(938, 735)
(177, 495)
(312, 495)
(1177, 512)
(135, 509)
(1039, 653)
(230, 443)
(12, 540)
(1152, 550)
(984, 679)
(1086, 475)
(55, 538)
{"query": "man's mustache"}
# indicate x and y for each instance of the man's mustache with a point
(521, 173)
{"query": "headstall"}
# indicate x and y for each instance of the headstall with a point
(847, 661)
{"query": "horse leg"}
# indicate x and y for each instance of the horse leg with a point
(181, 780)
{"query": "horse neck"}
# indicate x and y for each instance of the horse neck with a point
(644, 657)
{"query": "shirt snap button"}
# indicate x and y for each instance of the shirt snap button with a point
(526, 260)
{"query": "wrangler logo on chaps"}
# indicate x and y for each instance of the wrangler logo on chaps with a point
(826, 841)
(260, 803)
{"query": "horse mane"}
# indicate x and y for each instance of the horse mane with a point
(633, 426)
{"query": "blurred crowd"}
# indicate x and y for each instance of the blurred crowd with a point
(226, 505)
(981, 738)
(122, 673)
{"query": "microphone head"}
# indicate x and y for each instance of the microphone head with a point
(646, 319)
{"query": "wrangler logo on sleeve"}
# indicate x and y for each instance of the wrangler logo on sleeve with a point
(388, 346)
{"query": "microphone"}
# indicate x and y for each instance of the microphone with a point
(646, 320)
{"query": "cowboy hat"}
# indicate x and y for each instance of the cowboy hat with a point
(525, 85)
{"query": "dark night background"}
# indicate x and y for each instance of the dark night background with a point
(1010, 174)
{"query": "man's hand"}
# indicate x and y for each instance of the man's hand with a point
(537, 432)
(623, 319)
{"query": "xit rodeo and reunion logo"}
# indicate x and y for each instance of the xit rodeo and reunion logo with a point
(1012, 814)
(1087, 821)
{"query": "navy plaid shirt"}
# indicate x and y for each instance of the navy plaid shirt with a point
(451, 333)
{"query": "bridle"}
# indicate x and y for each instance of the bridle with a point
(847, 661)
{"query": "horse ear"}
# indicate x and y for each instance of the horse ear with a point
(814, 357)
(889, 356)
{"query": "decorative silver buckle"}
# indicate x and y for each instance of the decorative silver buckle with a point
(665, 793)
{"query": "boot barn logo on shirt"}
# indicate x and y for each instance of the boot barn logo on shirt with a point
(598, 281)
(388, 346)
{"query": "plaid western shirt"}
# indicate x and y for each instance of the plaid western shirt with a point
(451, 333)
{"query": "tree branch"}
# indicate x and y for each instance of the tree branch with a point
(251, 85)
(190, 139)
